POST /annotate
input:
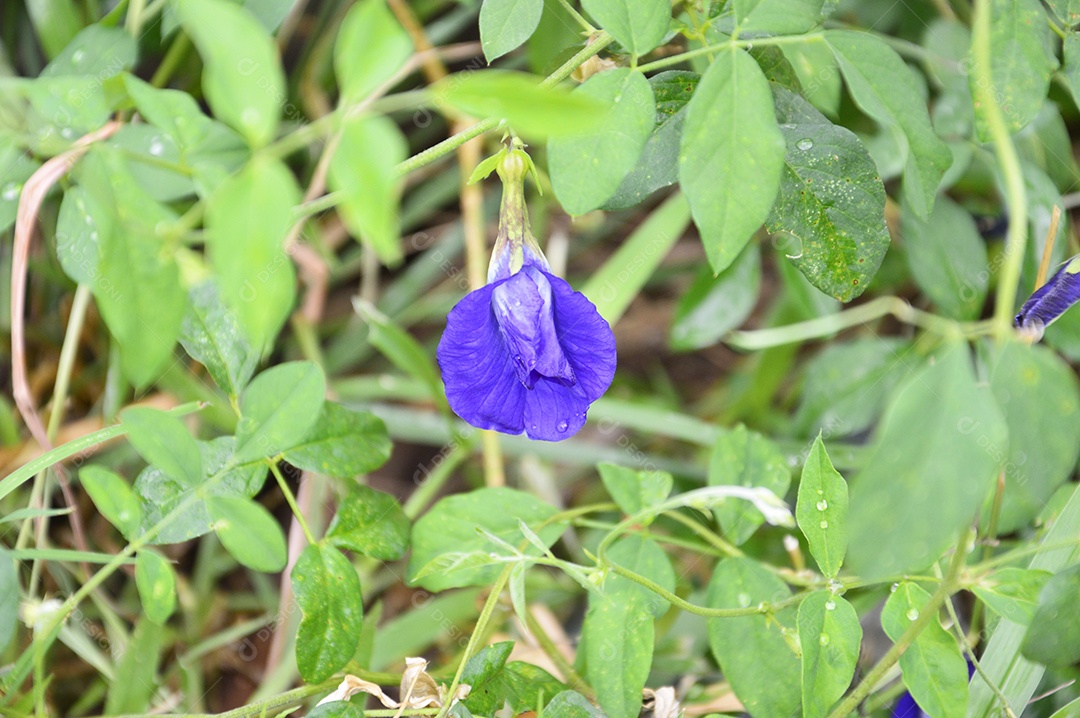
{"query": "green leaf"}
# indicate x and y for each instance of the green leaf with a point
(370, 522)
(1021, 64)
(56, 23)
(884, 87)
(831, 201)
(777, 69)
(114, 498)
(97, 50)
(9, 599)
(815, 66)
(637, 25)
(1071, 64)
(211, 335)
(1053, 638)
(529, 687)
(571, 704)
(136, 678)
(163, 440)
(328, 592)
(483, 672)
(343, 443)
(531, 109)
(371, 47)
(845, 386)
(1013, 592)
(157, 586)
(821, 510)
(242, 76)
(278, 409)
(587, 169)
(506, 24)
(618, 632)
(161, 495)
(18, 167)
(137, 284)
(633, 490)
(717, 303)
(830, 634)
(1068, 11)
(779, 17)
(731, 155)
(751, 650)
(364, 169)
(247, 219)
(451, 527)
(619, 280)
(933, 668)
(936, 454)
(947, 256)
(154, 159)
(248, 532)
(658, 165)
(1039, 395)
(746, 458)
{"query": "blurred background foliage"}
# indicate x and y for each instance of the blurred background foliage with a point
(247, 207)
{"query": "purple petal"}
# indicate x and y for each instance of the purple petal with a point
(523, 308)
(554, 412)
(482, 384)
(526, 353)
(1051, 300)
(585, 338)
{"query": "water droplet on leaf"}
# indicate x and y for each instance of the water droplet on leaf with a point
(157, 147)
(912, 614)
(824, 524)
(744, 600)
(822, 505)
(892, 589)
(805, 144)
(830, 605)
(11, 191)
(824, 639)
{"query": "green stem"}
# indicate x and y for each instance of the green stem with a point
(174, 57)
(727, 45)
(575, 681)
(927, 613)
(67, 357)
(269, 705)
(578, 17)
(438, 476)
(77, 446)
(847, 319)
(477, 634)
(968, 649)
(291, 500)
(986, 99)
(761, 608)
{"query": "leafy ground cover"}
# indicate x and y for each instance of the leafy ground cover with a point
(533, 356)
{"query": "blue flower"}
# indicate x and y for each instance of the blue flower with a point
(1051, 300)
(526, 353)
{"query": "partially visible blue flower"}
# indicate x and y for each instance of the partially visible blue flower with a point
(1051, 300)
(526, 353)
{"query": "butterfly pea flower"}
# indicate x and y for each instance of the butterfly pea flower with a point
(1050, 301)
(525, 353)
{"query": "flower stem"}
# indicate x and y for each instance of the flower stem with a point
(291, 500)
(986, 98)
